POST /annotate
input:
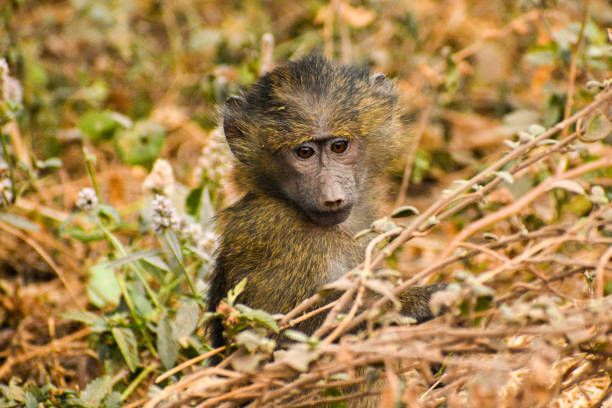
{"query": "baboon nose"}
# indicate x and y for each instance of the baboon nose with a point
(334, 204)
(332, 196)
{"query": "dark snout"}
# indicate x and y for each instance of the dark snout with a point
(334, 202)
(332, 195)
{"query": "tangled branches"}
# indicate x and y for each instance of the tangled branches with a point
(511, 335)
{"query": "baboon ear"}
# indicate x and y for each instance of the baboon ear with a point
(234, 102)
(378, 79)
(232, 118)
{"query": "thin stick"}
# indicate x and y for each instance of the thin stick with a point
(483, 175)
(522, 202)
(188, 363)
(572, 71)
(267, 54)
(414, 144)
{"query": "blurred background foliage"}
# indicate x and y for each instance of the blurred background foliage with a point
(110, 86)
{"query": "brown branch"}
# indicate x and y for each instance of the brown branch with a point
(441, 203)
(522, 202)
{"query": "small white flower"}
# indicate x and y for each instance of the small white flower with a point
(88, 200)
(207, 242)
(161, 179)
(164, 215)
(214, 161)
(12, 91)
(194, 231)
(11, 94)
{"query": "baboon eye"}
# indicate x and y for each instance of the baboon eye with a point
(339, 146)
(304, 152)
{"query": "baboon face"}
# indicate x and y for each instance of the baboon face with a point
(315, 134)
(321, 177)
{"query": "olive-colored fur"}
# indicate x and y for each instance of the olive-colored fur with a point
(267, 236)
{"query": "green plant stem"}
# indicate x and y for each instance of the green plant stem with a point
(130, 388)
(90, 169)
(135, 316)
(169, 287)
(180, 264)
(119, 247)
(11, 166)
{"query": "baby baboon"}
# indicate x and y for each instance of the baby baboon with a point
(313, 141)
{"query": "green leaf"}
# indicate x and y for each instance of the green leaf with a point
(113, 400)
(300, 337)
(157, 262)
(19, 222)
(186, 319)
(95, 322)
(96, 391)
(110, 212)
(30, 400)
(599, 128)
(420, 166)
(142, 305)
(79, 233)
(102, 288)
(207, 209)
(252, 340)
(13, 391)
(206, 316)
(490, 236)
(404, 211)
(518, 120)
(298, 356)
(594, 84)
(95, 93)
(296, 336)
(506, 176)
(247, 362)
(383, 225)
(233, 293)
(174, 244)
(335, 392)
(192, 202)
(579, 205)
(141, 144)
(126, 341)
(455, 186)
(134, 256)
(569, 185)
(511, 144)
(542, 55)
(536, 129)
(431, 221)
(167, 346)
(98, 125)
(258, 316)
(547, 142)
(521, 186)
(51, 163)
